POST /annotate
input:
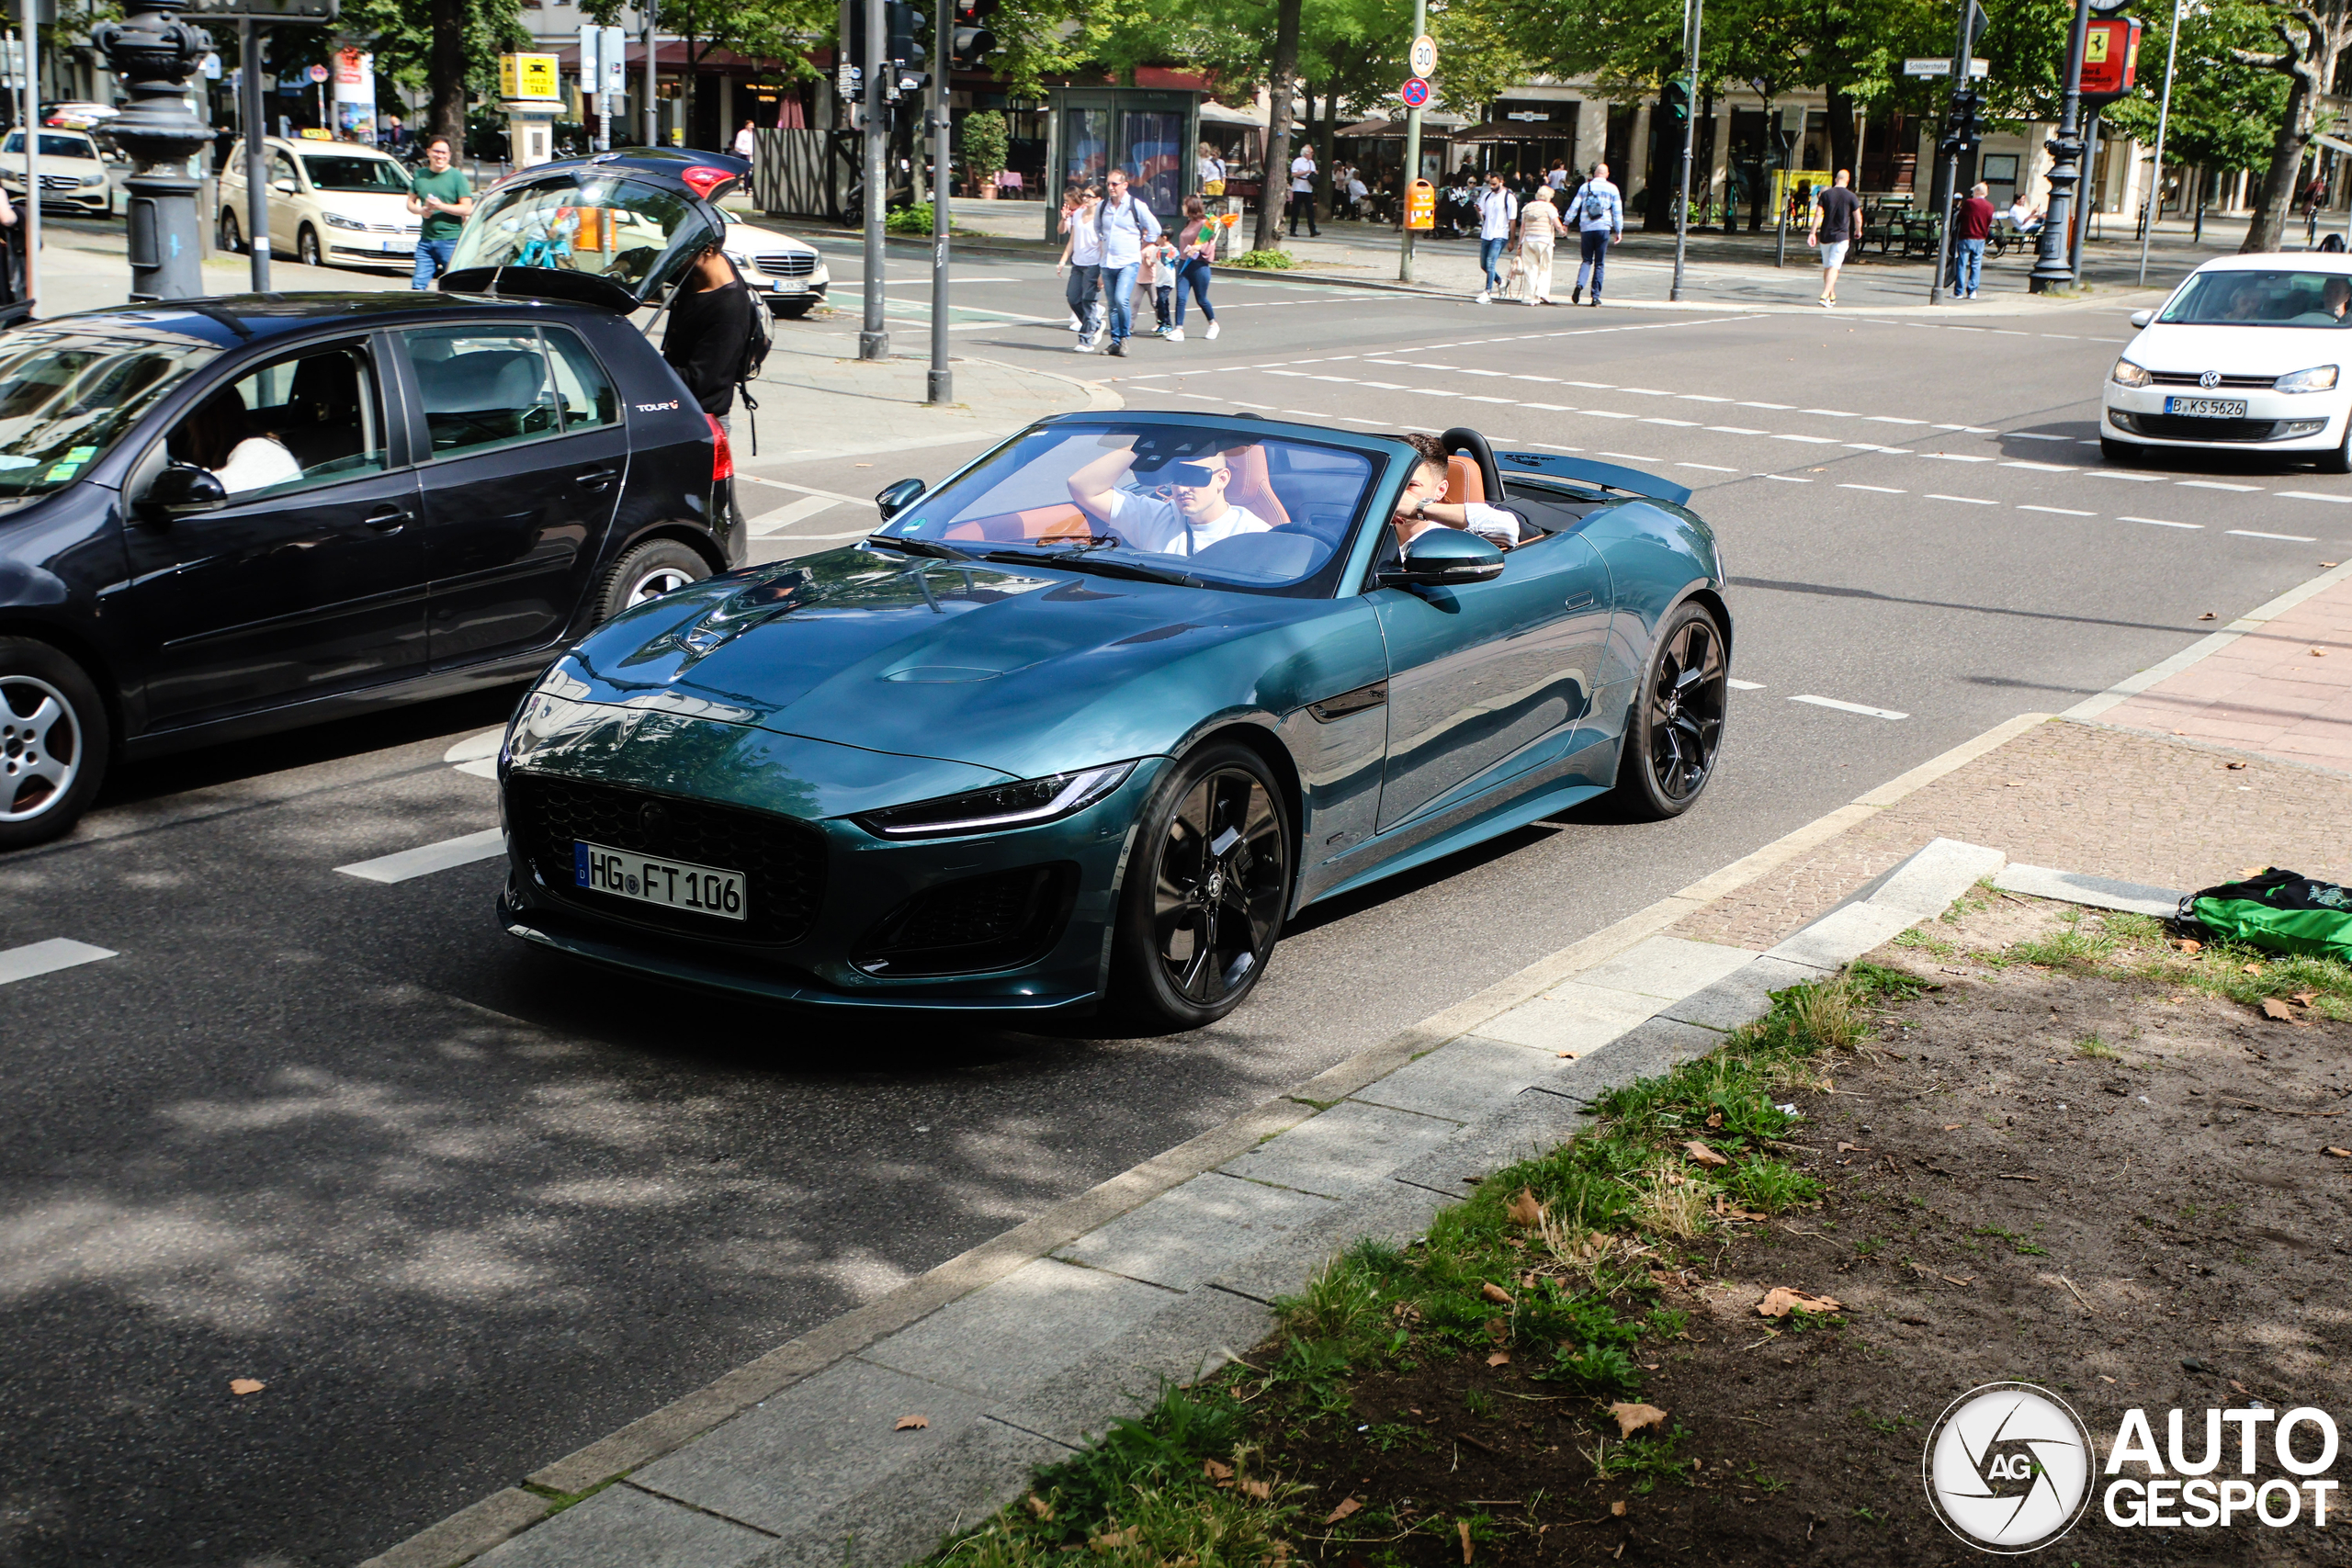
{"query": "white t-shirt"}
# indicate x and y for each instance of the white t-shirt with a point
(1557, 179)
(1150, 522)
(745, 142)
(1302, 172)
(257, 461)
(1495, 210)
(1209, 169)
(1085, 241)
(1356, 191)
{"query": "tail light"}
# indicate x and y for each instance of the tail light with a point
(702, 179)
(722, 455)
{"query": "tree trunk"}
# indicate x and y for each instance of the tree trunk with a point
(1275, 188)
(2268, 225)
(1843, 153)
(446, 74)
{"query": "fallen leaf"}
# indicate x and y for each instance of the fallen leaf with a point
(2329, 563)
(2104, 1377)
(1347, 1506)
(1617, 1509)
(1260, 1490)
(1845, 1148)
(1040, 1507)
(2190, 944)
(2305, 999)
(1779, 1300)
(2273, 1008)
(1954, 1126)
(1464, 1526)
(2254, 968)
(2319, 653)
(1703, 1155)
(912, 1424)
(2234, 767)
(1117, 1539)
(1524, 1211)
(1567, 1055)
(2206, 615)
(1500, 1358)
(1714, 1119)
(1632, 1418)
(1495, 1293)
(2235, 1385)
(1220, 1473)
(1964, 1280)
(245, 1385)
(2339, 1154)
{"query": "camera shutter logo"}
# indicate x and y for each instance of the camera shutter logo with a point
(2008, 1468)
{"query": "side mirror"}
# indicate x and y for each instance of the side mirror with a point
(183, 490)
(284, 187)
(899, 497)
(1444, 558)
(2141, 318)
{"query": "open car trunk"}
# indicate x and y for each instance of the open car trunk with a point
(616, 231)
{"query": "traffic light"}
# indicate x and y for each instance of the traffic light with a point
(969, 35)
(907, 56)
(1960, 129)
(1674, 100)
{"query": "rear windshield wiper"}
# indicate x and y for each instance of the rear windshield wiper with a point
(1076, 560)
(931, 547)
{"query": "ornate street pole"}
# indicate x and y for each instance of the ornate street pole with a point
(2050, 268)
(152, 52)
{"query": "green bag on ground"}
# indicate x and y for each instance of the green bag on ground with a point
(2282, 910)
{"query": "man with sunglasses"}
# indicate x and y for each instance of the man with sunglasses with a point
(1184, 512)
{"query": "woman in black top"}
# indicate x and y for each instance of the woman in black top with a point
(710, 324)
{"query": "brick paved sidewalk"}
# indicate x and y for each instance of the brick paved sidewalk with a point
(2283, 691)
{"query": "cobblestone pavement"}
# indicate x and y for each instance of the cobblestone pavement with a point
(2081, 797)
(2283, 691)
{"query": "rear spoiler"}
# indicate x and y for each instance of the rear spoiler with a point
(1606, 475)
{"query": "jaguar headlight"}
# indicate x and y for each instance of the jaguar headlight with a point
(1000, 806)
(2127, 373)
(2318, 379)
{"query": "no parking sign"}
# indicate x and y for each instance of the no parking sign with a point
(1415, 92)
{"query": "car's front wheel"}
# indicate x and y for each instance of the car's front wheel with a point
(792, 311)
(2123, 453)
(2338, 461)
(52, 742)
(306, 247)
(1202, 904)
(651, 569)
(233, 238)
(1676, 727)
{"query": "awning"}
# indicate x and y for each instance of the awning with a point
(1434, 127)
(1215, 113)
(1518, 130)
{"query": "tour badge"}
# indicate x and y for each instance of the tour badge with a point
(2008, 1468)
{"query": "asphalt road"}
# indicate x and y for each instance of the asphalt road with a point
(462, 1208)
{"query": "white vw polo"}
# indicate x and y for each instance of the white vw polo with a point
(2251, 353)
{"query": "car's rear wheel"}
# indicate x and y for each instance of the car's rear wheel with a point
(1207, 885)
(306, 247)
(651, 569)
(1676, 727)
(53, 742)
(233, 238)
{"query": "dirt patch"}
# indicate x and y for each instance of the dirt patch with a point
(2069, 1173)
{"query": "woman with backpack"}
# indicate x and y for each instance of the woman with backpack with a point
(1599, 213)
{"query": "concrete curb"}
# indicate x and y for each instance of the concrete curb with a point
(2254, 620)
(1407, 1118)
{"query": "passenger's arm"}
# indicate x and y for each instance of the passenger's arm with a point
(1095, 486)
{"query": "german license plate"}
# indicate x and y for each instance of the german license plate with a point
(2207, 408)
(649, 879)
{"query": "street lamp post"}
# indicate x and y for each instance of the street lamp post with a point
(1412, 170)
(154, 51)
(2050, 268)
(2156, 175)
(1694, 18)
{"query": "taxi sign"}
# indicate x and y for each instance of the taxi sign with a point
(1421, 205)
(1423, 56)
(527, 77)
(1415, 92)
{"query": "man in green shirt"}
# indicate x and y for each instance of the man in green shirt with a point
(442, 197)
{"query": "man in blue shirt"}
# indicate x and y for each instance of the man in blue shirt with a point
(1599, 213)
(1126, 226)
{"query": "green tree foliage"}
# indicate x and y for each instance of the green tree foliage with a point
(470, 34)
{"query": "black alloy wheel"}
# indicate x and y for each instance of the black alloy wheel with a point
(1205, 889)
(52, 742)
(1676, 730)
(306, 247)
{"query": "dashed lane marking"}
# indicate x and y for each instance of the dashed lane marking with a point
(426, 859)
(2119, 474)
(2314, 495)
(476, 754)
(1863, 709)
(1745, 685)
(2058, 511)
(1714, 468)
(1882, 490)
(48, 957)
(2290, 538)
(2159, 523)
(1966, 500)
(791, 512)
(2216, 484)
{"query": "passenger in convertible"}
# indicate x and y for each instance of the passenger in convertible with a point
(1420, 510)
(1185, 513)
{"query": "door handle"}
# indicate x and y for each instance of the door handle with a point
(595, 478)
(386, 520)
(1579, 601)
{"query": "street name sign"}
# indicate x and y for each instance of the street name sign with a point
(1942, 67)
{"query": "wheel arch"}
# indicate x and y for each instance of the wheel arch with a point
(82, 651)
(695, 539)
(1712, 597)
(1257, 733)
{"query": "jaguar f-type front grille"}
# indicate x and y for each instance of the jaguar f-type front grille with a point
(782, 860)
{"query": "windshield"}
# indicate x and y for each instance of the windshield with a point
(1261, 514)
(611, 228)
(379, 176)
(2266, 298)
(52, 146)
(65, 398)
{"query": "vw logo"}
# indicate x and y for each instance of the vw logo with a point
(652, 818)
(2008, 1468)
(2211, 378)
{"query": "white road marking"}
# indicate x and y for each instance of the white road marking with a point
(1781, 406)
(2061, 468)
(1630, 456)
(2212, 484)
(477, 754)
(2029, 436)
(2119, 474)
(1882, 490)
(1968, 500)
(426, 859)
(2314, 495)
(1954, 458)
(1868, 446)
(804, 489)
(1549, 408)
(1890, 419)
(48, 957)
(1684, 423)
(1712, 468)
(1556, 446)
(1808, 440)
(2290, 538)
(1970, 429)
(808, 506)
(1833, 413)
(1733, 430)
(1606, 413)
(2059, 511)
(1786, 479)
(2159, 523)
(1850, 708)
(1702, 397)
(1745, 685)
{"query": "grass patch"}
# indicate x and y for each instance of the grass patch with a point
(1263, 261)
(2093, 1045)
